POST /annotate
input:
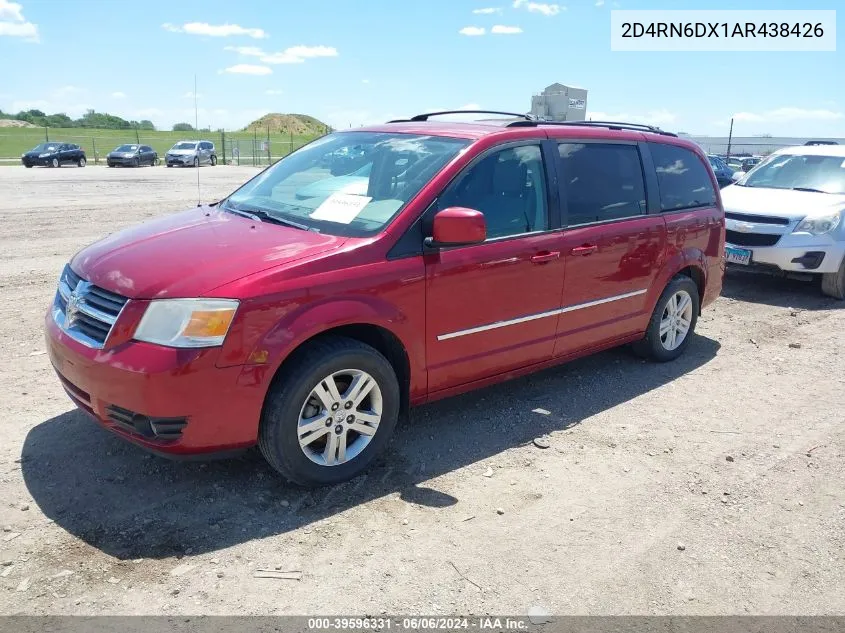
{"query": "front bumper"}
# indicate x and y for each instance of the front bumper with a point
(179, 160)
(178, 401)
(113, 160)
(37, 162)
(799, 254)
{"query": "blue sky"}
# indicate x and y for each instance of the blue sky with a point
(354, 63)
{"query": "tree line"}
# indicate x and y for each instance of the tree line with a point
(91, 119)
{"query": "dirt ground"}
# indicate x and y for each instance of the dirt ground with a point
(711, 485)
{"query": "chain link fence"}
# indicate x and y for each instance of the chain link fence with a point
(233, 148)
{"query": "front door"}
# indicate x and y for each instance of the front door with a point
(612, 246)
(492, 307)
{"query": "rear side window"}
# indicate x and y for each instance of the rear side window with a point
(682, 178)
(601, 181)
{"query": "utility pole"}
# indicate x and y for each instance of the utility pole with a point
(730, 136)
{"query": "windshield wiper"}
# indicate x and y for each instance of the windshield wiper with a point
(260, 215)
(810, 189)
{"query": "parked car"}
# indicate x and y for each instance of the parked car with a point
(747, 164)
(724, 174)
(132, 156)
(786, 216)
(305, 319)
(191, 153)
(54, 154)
(810, 143)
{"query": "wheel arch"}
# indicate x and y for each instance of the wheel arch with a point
(690, 263)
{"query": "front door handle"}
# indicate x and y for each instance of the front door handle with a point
(586, 249)
(546, 256)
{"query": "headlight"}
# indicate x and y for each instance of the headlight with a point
(43, 155)
(818, 225)
(187, 322)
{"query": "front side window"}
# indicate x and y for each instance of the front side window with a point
(348, 183)
(802, 173)
(508, 187)
(683, 180)
(601, 181)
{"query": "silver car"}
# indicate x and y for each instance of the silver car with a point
(191, 153)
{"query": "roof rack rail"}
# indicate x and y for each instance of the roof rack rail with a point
(613, 125)
(424, 117)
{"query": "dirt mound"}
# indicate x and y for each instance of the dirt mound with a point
(299, 124)
(15, 123)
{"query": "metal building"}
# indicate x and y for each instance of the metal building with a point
(560, 103)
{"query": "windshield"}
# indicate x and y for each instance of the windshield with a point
(350, 183)
(46, 147)
(126, 148)
(794, 171)
(185, 146)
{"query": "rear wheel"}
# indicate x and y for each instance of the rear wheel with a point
(81, 162)
(672, 322)
(330, 412)
(833, 284)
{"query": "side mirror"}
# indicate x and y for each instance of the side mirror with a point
(737, 176)
(457, 226)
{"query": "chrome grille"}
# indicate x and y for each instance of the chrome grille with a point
(94, 310)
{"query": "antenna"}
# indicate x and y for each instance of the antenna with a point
(197, 128)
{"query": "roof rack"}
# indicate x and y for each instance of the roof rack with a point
(424, 117)
(613, 125)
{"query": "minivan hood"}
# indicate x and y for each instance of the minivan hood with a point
(191, 253)
(784, 203)
(181, 152)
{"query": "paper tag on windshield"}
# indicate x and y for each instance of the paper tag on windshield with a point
(341, 208)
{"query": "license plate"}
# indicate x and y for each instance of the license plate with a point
(735, 255)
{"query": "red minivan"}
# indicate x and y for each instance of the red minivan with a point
(382, 268)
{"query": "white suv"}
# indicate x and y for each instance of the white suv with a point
(786, 215)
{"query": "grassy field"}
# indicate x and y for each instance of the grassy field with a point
(247, 147)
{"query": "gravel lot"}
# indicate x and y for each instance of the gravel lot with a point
(711, 485)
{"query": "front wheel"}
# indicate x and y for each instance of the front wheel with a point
(329, 412)
(54, 162)
(81, 162)
(213, 160)
(672, 322)
(196, 162)
(833, 284)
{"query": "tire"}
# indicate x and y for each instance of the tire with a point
(196, 162)
(136, 162)
(663, 348)
(833, 284)
(28, 166)
(169, 164)
(54, 162)
(291, 395)
(213, 160)
(81, 162)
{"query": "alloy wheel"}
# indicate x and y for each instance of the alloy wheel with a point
(676, 320)
(340, 417)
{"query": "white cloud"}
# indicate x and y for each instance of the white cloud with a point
(118, 95)
(11, 11)
(505, 30)
(784, 115)
(292, 55)
(472, 31)
(215, 30)
(272, 91)
(13, 24)
(538, 7)
(599, 3)
(248, 69)
(652, 117)
(487, 11)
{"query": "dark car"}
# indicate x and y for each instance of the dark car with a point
(724, 174)
(132, 156)
(54, 154)
(306, 318)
